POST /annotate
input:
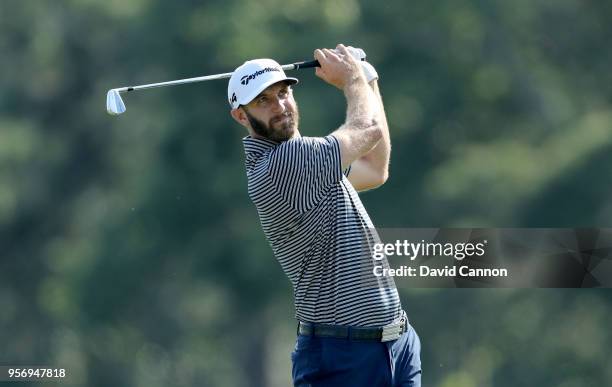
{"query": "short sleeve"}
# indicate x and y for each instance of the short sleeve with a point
(347, 171)
(303, 169)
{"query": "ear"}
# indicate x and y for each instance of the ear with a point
(240, 117)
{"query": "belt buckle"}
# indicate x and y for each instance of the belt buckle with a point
(390, 333)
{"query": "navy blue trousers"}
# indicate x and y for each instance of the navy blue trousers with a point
(322, 362)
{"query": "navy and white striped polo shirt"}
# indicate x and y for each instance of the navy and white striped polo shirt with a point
(319, 231)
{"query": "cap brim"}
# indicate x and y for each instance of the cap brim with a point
(263, 86)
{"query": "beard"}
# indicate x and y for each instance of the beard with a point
(283, 130)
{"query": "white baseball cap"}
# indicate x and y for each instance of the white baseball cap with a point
(251, 78)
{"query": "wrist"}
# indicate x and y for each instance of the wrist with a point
(354, 84)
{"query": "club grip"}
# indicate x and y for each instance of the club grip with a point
(310, 63)
(306, 64)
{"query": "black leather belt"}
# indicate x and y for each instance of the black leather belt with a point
(386, 333)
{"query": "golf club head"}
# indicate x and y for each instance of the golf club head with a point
(114, 103)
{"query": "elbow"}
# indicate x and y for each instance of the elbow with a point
(384, 176)
(375, 181)
(381, 178)
(381, 173)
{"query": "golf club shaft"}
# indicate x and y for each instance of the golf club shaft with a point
(292, 66)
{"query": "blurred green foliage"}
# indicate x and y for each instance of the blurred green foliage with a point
(132, 256)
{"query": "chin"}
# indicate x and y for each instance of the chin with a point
(286, 131)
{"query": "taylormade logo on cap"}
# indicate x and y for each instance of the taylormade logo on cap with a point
(253, 77)
(245, 80)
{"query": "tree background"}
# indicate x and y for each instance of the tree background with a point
(131, 255)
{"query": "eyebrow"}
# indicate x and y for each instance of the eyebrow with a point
(274, 91)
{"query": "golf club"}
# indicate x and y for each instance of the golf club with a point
(115, 105)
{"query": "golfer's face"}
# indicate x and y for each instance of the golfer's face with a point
(273, 113)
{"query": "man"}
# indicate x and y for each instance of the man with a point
(351, 330)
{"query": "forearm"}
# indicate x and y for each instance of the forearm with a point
(378, 157)
(362, 104)
(360, 131)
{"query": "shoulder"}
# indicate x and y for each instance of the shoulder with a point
(305, 144)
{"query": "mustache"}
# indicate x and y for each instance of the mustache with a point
(280, 117)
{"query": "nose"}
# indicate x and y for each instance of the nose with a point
(278, 105)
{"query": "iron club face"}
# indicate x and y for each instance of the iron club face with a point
(114, 103)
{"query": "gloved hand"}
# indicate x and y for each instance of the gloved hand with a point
(369, 71)
(357, 53)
